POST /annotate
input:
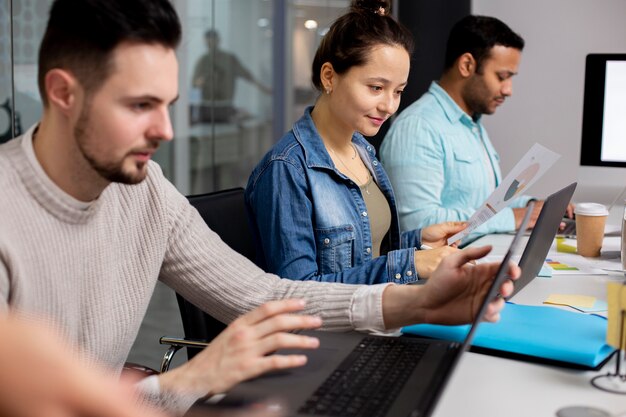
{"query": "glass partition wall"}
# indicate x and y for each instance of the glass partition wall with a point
(6, 77)
(223, 122)
(244, 79)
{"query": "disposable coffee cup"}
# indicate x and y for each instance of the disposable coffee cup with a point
(590, 221)
(623, 246)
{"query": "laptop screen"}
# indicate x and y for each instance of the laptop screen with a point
(542, 235)
(501, 277)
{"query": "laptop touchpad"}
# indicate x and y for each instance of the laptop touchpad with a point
(316, 360)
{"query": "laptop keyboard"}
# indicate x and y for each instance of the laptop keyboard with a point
(367, 382)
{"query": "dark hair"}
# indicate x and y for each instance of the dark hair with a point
(477, 35)
(82, 34)
(351, 37)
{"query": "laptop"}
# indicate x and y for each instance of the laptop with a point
(353, 374)
(542, 235)
(569, 230)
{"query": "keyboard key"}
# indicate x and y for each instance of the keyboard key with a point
(368, 380)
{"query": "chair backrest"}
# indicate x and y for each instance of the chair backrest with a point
(225, 213)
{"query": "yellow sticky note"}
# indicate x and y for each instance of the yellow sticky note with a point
(564, 246)
(571, 300)
(616, 298)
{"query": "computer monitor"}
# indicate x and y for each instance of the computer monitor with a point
(604, 121)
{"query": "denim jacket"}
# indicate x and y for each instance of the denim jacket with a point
(310, 221)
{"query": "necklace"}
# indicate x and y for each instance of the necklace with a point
(366, 183)
(354, 149)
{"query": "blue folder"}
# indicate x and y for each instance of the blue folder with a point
(539, 332)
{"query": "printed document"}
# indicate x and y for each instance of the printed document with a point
(528, 170)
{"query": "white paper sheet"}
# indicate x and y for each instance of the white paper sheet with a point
(528, 170)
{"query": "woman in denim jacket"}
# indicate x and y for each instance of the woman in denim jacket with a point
(320, 203)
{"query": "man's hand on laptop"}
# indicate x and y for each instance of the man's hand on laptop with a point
(452, 295)
(568, 219)
(518, 214)
(244, 350)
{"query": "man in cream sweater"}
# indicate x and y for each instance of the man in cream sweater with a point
(89, 223)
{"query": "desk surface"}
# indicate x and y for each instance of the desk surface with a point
(488, 386)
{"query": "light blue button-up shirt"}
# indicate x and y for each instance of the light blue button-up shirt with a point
(442, 165)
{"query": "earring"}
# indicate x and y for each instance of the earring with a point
(327, 90)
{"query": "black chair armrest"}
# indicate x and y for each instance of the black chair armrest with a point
(175, 344)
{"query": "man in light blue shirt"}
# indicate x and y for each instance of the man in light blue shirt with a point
(439, 158)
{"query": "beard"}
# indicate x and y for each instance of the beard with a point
(477, 96)
(112, 171)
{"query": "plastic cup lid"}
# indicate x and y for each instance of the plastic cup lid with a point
(591, 209)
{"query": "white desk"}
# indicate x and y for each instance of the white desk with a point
(488, 386)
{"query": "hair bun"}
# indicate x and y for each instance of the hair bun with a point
(379, 7)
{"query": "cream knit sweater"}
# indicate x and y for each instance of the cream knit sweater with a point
(91, 268)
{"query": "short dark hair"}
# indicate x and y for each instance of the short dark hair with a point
(82, 34)
(477, 35)
(351, 37)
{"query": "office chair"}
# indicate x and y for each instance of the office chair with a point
(225, 213)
